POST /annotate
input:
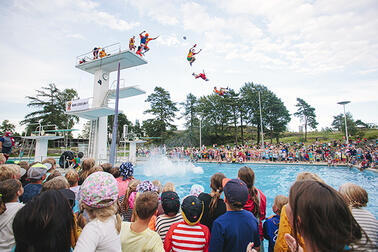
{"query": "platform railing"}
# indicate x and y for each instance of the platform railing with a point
(89, 56)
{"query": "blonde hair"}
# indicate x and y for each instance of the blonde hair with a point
(72, 177)
(56, 183)
(280, 201)
(158, 185)
(354, 195)
(169, 187)
(15, 168)
(130, 189)
(309, 176)
(104, 213)
(51, 161)
(24, 164)
(6, 172)
(2, 159)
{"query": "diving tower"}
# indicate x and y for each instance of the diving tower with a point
(99, 110)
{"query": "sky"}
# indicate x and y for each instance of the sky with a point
(321, 51)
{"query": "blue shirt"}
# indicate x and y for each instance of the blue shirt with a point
(271, 231)
(233, 231)
(30, 191)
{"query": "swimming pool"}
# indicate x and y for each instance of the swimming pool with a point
(272, 179)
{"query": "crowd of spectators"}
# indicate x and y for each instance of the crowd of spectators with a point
(105, 208)
(362, 154)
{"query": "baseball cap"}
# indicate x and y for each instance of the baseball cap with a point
(170, 202)
(235, 190)
(37, 171)
(192, 210)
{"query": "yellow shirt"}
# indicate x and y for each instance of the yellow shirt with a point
(190, 54)
(147, 240)
(285, 228)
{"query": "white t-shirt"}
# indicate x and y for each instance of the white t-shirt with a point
(98, 236)
(7, 241)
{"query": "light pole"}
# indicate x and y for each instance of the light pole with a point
(261, 125)
(200, 129)
(346, 126)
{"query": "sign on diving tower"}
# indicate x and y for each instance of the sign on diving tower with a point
(99, 111)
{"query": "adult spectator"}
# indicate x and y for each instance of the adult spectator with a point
(6, 144)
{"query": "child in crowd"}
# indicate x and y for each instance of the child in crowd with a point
(126, 171)
(127, 203)
(73, 179)
(171, 204)
(10, 190)
(168, 187)
(188, 235)
(106, 167)
(85, 167)
(256, 203)
(36, 175)
(99, 194)
(56, 183)
(235, 229)
(357, 198)
(136, 236)
(214, 206)
(196, 190)
(44, 224)
(270, 228)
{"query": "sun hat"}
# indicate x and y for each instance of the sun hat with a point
(235, 190)
(192, 210)
(37, 171)
(146, 186)
(126, 170)
(196, 190)
(99, 190)
(170, 202)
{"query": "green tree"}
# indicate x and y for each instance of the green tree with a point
(233, 102)
(275, 115)
(190, 115)
(50, 103)
(163, 108)
(7, 126)
(306, 113)
(339, 123)
(86, 130)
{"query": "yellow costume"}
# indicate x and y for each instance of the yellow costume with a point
(281, 245)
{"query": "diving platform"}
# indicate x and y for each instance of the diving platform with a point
(41, 144)
(93, 113)
(125, 92)
(109, 63)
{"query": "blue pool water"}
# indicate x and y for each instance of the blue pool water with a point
(271, 179)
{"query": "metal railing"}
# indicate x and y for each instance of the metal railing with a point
(89, 56)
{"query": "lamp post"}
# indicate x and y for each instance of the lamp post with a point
(200, 131)
(261, 125)
(346, 126)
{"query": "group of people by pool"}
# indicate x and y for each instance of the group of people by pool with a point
(362, 155)
(106, 208)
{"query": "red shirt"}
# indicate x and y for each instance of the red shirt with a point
(182, 236)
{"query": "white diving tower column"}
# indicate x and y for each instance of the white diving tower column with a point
(99, 111)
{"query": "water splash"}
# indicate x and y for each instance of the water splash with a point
(159, 165)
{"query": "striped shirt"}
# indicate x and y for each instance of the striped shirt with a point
(164, 222)
(185, 238)
(369, 224)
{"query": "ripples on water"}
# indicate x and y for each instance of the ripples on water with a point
(271, 179)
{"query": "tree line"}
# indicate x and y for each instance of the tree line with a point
(223, 119)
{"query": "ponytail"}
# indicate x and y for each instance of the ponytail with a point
(2, 204)
(254, 194)
(214, 202)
